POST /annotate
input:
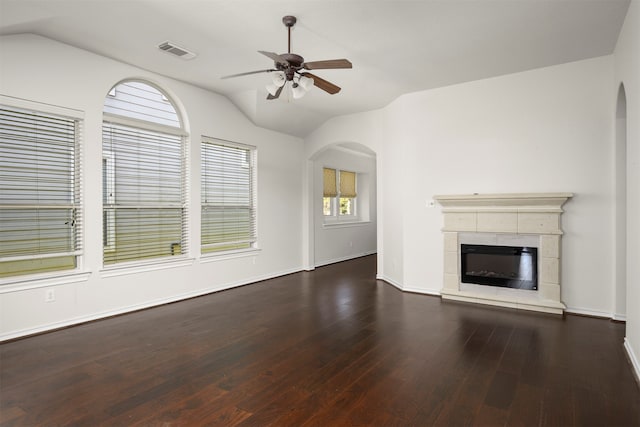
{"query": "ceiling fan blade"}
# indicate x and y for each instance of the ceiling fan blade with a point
(277, 58)
(278, 92)
(323, 84)
(328, 64)
(247, 73)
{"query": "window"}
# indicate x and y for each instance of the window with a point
(228, 196)
(40, 197)
(339, 194)
(144, 176)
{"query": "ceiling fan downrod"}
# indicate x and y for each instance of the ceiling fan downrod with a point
(289, 21)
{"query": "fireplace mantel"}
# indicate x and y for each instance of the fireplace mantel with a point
(507, 202)
(501, 218)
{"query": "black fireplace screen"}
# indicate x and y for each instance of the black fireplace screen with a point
(504, 266)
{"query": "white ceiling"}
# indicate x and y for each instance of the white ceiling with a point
(396, 47)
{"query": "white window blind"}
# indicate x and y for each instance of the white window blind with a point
(144, 185)
(40, 192)
(228, 196)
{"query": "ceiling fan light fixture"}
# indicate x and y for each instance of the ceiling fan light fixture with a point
(279, 79)
(305, 82)
(298, 91)
(272, 88)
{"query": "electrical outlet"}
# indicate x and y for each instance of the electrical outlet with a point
(49, 295)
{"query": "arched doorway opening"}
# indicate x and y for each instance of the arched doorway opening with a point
(342, 220)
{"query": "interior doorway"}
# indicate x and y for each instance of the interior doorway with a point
(342, 227)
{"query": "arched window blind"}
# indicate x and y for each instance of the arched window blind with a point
(228, 202)
(40, 192)
(144, 176)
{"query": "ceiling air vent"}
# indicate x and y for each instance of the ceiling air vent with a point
(176, 50)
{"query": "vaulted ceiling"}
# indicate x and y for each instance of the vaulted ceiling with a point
(396, 47)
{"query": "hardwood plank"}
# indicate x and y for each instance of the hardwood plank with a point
(330, 347)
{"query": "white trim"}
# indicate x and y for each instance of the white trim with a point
(42, 107)
(343, 224)
(635, 364)
(148, 304)
(619, 317)
(589, 312)
(137, 267)
(345, 258)
(390, 281)
(352, 151)
(222, 256)
(23, 283)
(422, 291)
(142, 124)
(227, 143)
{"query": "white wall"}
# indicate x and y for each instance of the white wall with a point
(338, 242)
(45, 71)
(627, 69)
(547, 130)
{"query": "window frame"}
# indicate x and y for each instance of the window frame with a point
(207, 250)
(111, 203)
(335, 216)
(75, 204)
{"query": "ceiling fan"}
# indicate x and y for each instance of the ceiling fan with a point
(289, 67)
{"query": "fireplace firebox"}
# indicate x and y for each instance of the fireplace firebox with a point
(504, 266)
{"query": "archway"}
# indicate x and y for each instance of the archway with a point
(620, 298)
(334, 232)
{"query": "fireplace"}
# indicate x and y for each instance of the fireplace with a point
(513, 267)
(512, 241)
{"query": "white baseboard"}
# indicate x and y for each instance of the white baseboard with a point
(390, 281)
(619, 317)
(407, 289)
(589, 312)
(141, 306)
(634, 360)
(422, 291)
(345, 258)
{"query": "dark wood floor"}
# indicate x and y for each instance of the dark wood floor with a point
(325, 348)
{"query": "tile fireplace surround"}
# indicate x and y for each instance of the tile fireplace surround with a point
(522, 219)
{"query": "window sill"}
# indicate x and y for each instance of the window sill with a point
(343, 224)
(23, 283)
(222, 256)
(137, 267)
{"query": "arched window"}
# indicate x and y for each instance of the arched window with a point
(144, 176)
